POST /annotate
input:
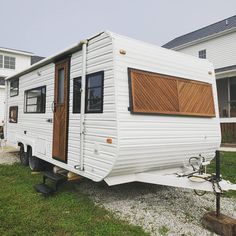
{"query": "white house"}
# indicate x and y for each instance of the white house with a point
(11, 62)
(216, 43)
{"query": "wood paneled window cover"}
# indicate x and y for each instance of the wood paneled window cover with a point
(154, 93)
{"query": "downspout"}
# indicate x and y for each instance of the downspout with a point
(82, 108)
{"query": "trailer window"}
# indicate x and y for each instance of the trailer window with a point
(13, 114)
(76, 95)
(35, 100)
(94, 93)
(153, 93)
(14, 87)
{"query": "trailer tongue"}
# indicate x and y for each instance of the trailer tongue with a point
(181, 178)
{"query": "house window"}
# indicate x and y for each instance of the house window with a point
(76, 95)
(1, 61)
(227, 96)
(232, 88)
(94, 93)
(35, 100)
(202, 54)
(9, 62)
(13, 114)
(14, 87)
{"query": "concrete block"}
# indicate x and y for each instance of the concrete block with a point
(222, 225)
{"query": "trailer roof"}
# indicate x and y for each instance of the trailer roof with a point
(76, 47)
(47, 60)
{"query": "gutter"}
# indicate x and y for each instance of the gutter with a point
(55, 57)
(48, 60)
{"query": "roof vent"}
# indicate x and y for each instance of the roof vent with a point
(226, 22)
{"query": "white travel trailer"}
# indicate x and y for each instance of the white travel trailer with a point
(116, 109)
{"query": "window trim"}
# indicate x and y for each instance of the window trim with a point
(12, 107)
(12, 80)
(102, 92)
(203, 51)
(186, 114)
(10, 57)
(25, 101)
(73, 108)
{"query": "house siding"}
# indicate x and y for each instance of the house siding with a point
(220, 51)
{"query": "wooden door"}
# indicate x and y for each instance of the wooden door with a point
(61, 105)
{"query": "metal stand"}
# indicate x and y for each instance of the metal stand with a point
(217, 159)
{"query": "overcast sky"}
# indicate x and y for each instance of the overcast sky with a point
(47, 26)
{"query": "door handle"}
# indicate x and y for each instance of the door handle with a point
(53, 106)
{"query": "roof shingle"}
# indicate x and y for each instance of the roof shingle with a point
(209, 30)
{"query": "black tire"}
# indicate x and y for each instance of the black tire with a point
(24, 159)
(35, 163)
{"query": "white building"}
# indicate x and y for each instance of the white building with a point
(216, 43)
(11, 62)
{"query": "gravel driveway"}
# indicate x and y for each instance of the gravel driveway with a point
(160, 210)
(8, 156)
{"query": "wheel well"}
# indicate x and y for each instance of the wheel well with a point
(29, 148)
(21, 145)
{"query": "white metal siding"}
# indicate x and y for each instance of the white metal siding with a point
(98, 155)
(35, 124)
(140, 142)
(148, 142)
(221, 51)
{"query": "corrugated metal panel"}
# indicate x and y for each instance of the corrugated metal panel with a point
(143, 142)
(35, 124)
(98, 127)
(149, 142)
(99, 156)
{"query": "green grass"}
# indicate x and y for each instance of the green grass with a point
(228, 169)
(25, 212)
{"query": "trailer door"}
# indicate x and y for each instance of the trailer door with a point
(61, 105)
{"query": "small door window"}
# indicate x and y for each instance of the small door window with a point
(61, 78)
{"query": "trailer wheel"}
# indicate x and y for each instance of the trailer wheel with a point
(24, 159)
(35, 163)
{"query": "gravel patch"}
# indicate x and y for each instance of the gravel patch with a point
(159, 210)
(8, 156)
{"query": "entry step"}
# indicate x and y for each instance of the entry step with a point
(54, 177)
(44, 189)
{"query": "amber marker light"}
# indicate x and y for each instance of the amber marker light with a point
(109, 140)
(122, 52)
